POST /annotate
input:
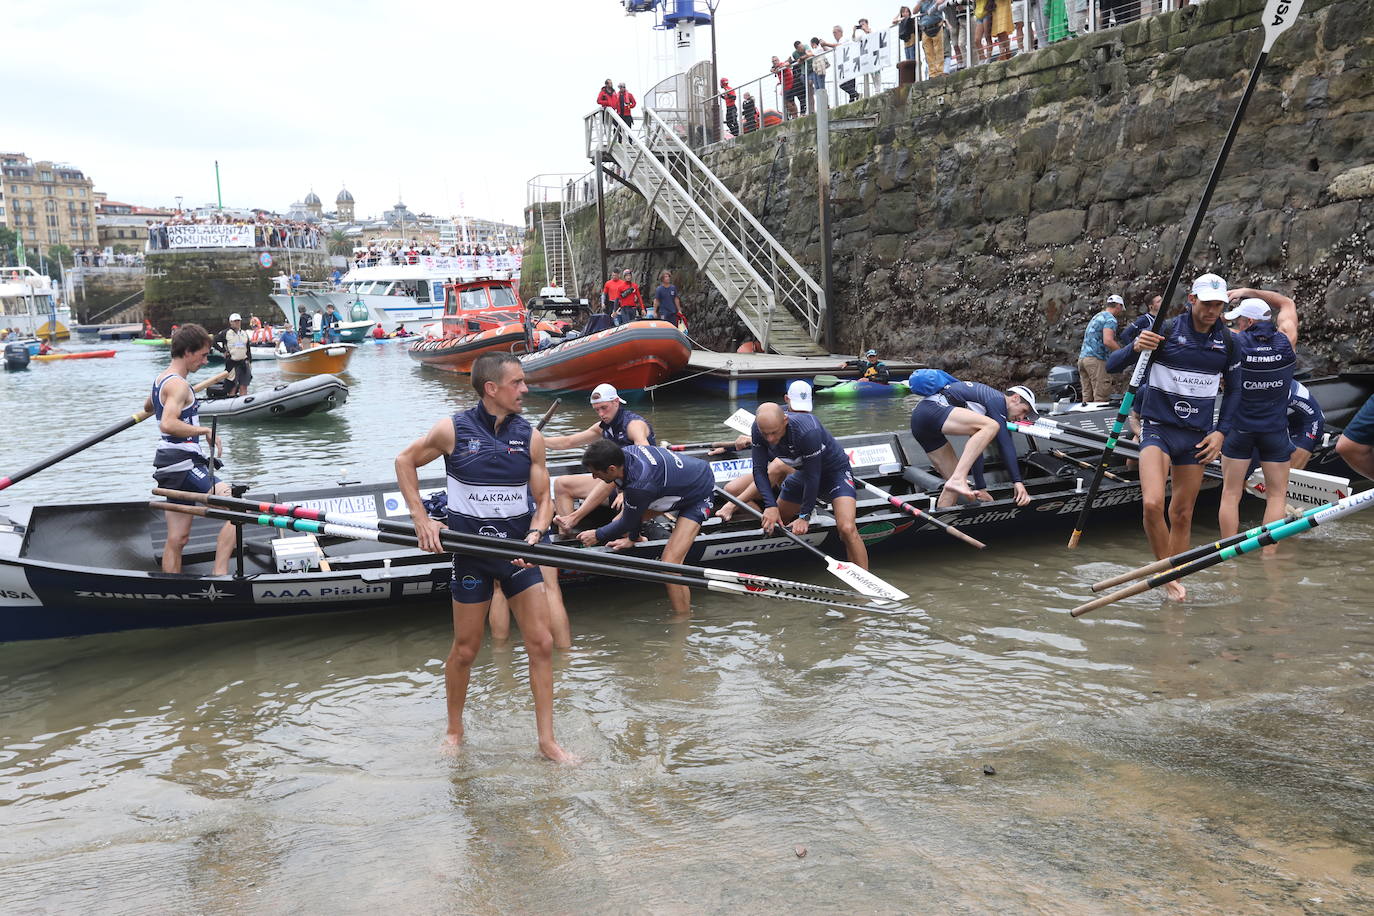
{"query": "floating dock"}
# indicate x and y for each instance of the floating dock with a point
(750, 374)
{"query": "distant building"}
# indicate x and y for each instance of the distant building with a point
(313, 205)
(125, 225)
(344, 206)
(47, 203)
(479, 232)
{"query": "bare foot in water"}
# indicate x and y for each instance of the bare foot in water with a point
(1174, 591)
(452, 743)
(553, 751)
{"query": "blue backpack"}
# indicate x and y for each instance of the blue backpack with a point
(926, 382)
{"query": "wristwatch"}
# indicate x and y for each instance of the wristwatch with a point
(536, 531)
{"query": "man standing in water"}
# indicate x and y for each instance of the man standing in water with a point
(498, 486)
(1180, 397)
(179, 462)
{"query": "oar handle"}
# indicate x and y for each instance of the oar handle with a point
(548, 413)
(1112, 598)
(780, 527)
(1146, 570)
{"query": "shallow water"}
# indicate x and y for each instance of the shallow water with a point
(1211, 757)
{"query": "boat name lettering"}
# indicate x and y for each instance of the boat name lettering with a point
(982, 518)
(346, 505)
(324, 591)
(1075, 504)
(21, 596)
(753, 547)
(208, 594)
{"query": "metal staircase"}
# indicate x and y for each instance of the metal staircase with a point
(776, 299)
(559, 267)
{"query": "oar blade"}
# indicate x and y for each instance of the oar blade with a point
(741, 421)
(863, 581)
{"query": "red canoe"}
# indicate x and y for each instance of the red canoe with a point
(88, 354)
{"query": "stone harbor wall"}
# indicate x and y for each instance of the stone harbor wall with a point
(206, 285)
(987, 215)
(98, 290)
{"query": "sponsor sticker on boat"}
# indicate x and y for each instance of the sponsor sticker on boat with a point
(1305, 488)
(15, 589)
(731, 468)
(865, 455)
(751, 548)
(364, 506)
(327, 591)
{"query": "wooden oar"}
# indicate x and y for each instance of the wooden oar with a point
(548, 413)
(86, 443)
(1271, 536)
(549, 554)
(909, 509)
(856, 576)
(512, 550)
(1277, 17)
(1201, 550)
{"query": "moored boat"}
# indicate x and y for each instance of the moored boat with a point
(331, 359)
(318, 393)
(163, 342)
(17, 355)
(631, 357)
(121, 332)
(863, 388)
(480, 315)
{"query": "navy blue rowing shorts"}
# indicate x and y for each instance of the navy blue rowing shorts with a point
(695, 507)
(1242, 444)
(834, 484)
(1179, 443)
(928, 421)
(471, 582)
(196, 480)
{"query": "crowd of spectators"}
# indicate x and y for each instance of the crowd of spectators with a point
(268, 231)
(96, 257)
(397, 253)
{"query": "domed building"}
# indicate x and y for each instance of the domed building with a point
(313, 205)
(344, 205)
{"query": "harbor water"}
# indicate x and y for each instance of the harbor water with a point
(983, 753)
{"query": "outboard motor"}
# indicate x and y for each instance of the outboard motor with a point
(1063, 382)
(220, 389)
(16, 355)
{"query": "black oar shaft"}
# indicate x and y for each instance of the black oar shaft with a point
(86, 443)
(1142, 367)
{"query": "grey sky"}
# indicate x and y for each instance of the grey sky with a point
(437, 102)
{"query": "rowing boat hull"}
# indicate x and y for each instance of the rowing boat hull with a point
(330, 360)
(631, 357)
(457, 354)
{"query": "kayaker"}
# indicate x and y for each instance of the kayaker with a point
(180, 462)
(822, 473)
(378, 333)
(652, 480)
(233, 343)
(1266, 331)
(980, 412)
(870, 368)
(498, 485)
(46, 347)
(401, 331)
(616, 423)
(1184, 389)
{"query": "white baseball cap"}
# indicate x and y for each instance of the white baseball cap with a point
(1026, 395)
(1116, 299)
(1254, 308)
(799, 396)
(604, 394)
(1210, 288)
(236, 317)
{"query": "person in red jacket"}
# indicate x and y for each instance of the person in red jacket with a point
(731, 116)
(606, 97)
(783, 72)
(624, 103)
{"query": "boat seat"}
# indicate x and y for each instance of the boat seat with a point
(921, 480)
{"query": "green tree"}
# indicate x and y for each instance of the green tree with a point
(8, 247)
(339, 243)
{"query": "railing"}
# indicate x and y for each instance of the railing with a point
(957, 44)
(762, 263)
(117, 307)
(571, 189)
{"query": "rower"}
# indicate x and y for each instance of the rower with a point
(1266, 333)
(616, 423)
(1356, 443)
(498, 486)
(180, 462)
(799, 400)
(823, 473)
(980, 412)
(1178, 436)
(870, 368)
(656, 480)
(1305, 425)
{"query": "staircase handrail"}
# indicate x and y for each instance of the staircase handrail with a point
(95, 319)
(706, 221)
(743, 213)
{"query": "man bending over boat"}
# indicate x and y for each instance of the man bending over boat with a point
(498, 486)
(799, 400)
(180, 463)
(980, 412)
(822, 472)
(653, 480)
(616, 423)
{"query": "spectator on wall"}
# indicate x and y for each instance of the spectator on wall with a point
(750, 112)
(727, 95)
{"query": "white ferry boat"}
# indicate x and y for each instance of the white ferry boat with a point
(28, 304)
(410, 293)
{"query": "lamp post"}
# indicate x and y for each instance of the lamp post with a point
(711, 6)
